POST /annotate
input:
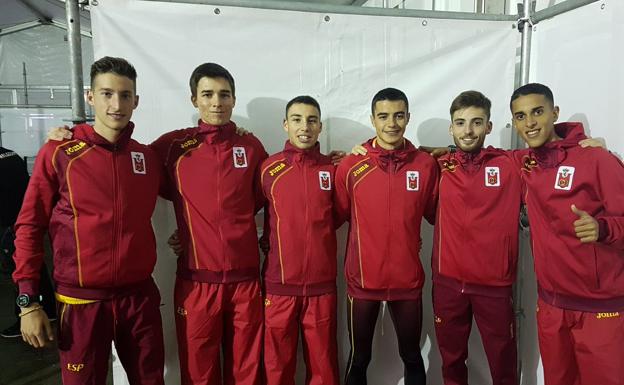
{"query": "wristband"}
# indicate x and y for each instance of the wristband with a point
(38, 307)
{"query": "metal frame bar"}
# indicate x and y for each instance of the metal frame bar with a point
(72, 10)
(34, 106)
(346, 9)
(38, 23)
(58, 24)
(20, 27)
(558, 9)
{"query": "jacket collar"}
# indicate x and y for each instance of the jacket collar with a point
(297, 155)
(472, 161)
(552, 154)
(213, 134)
(87, 133)
(390, 160)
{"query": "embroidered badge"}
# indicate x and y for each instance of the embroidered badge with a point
(240, 157)
(413, 180)
(325, 180)
(492, 177)
(138, 162)
(565, 174)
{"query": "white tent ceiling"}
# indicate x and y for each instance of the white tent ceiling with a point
(20, 14)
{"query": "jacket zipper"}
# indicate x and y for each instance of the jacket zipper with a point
(115, 241)
(307, 228)
(219, 219)
(389, 221)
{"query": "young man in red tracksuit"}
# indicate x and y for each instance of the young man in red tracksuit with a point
(475, 248)
(576, 210)
(214, 178)
(385, 195)
(300, 268)
(95, 194)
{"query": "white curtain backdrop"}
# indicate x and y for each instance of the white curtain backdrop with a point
(342, 60)
(579, 55)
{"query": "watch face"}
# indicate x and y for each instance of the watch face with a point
(23, 300)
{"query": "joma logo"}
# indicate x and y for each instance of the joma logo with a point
(360, 169)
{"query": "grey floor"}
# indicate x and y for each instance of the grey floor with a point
(21, 364)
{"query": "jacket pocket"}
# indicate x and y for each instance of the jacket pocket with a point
(595, 269)
(506, 254)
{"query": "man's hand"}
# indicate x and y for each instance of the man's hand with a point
(264, 244)
(174, 244)
(586, 227)
(336, 156)
(593, 142)
(59, 133)
(436, 152)
(35, 325)
(240, 131)
(358, 149)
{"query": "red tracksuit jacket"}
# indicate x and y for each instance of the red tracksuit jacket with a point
(96, 199)
(386, 194)
(476, 231)
(298, 185)
(571, 274)
(214, 176)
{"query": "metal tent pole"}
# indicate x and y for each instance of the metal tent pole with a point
(525, 26)
(72, 12)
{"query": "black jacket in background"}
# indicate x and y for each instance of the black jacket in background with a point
(13, 182)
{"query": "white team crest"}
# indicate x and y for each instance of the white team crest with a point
(138, 162)
(492, 177)
(239, 156)
(413, 180)
(565, 174)
(325, 180)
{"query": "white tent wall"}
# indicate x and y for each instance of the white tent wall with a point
(45, 52)
(342, 60)
(579, 55)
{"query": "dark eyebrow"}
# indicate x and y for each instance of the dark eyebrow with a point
(537, 108)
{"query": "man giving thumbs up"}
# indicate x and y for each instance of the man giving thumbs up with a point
(575, 203)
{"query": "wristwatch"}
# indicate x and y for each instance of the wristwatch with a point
(25, 300)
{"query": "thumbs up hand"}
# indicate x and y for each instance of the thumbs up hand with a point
(586, 227)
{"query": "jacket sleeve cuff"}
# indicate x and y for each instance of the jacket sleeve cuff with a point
(603, 229)
(28, 286)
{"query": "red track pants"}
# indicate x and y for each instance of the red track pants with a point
(453, 320)
(212, 318)
(133, 322)
(315, 316)
(581, 348)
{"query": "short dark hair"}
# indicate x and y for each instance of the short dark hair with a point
(391, 94)
(533, 88)
(210, 70)
(117, 65)
(471, 99)
(303, 99)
